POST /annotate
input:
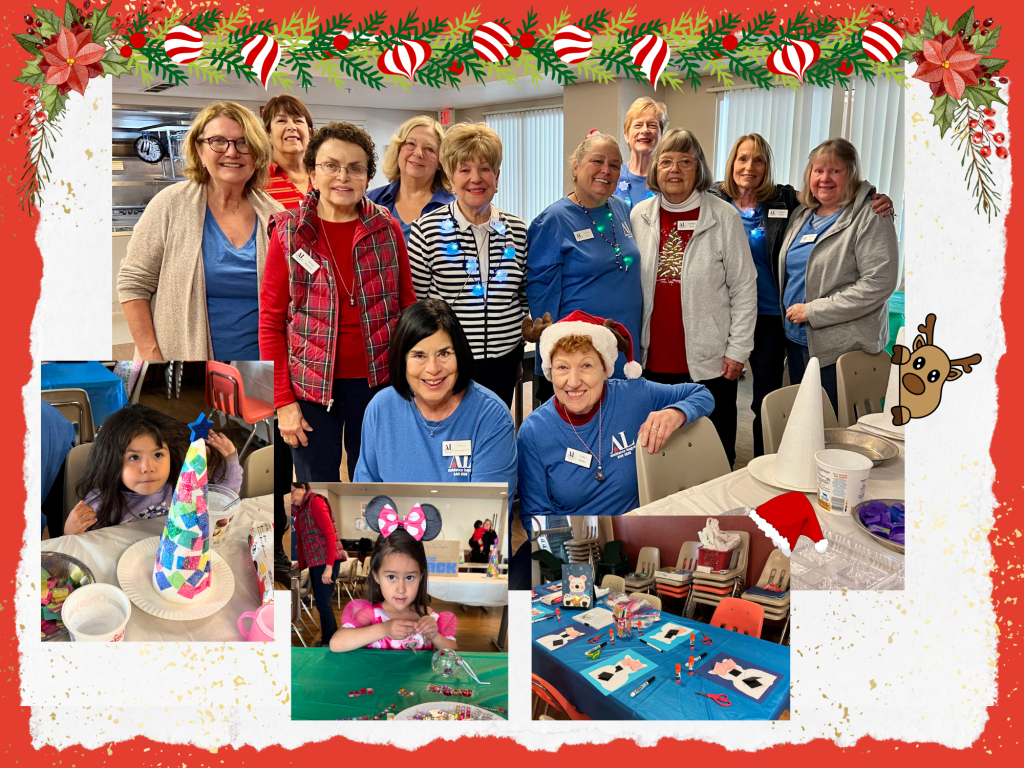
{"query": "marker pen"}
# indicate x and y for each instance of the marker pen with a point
(634, 693)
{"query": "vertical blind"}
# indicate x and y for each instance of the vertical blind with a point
(532, 160)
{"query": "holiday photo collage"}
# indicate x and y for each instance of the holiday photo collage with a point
(629, 349)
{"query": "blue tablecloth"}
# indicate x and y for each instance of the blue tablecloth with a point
(663, 699)
(105, 390)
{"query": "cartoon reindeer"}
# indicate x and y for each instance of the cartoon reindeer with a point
(922, 374)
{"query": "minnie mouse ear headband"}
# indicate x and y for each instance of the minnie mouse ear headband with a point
(423, 522)
(608, 337)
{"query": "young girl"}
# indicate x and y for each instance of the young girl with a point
(134, 465)
(395, 614)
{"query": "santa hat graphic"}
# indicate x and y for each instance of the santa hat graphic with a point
(786, 518)
(607, 336)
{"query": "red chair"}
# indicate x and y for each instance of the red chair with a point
(225, 393)
(552, 698)
(739, 615)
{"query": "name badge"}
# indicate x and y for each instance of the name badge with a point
(808, 238)
(457, 448)
(778, 213)
(306, 261)
(686, 226)
(583, 234)
(578, 457)
(625, 230)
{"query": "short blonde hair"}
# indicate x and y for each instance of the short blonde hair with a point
(390, 162)
(833, 149)
(470, 141)
(592, 138)
(646, 104)
(766, 191)
(260, 149)
(681, 140)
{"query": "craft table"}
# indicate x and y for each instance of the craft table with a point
(475, 589)
(102, 549)
(105, 390)
(321, 681)
(663, 699)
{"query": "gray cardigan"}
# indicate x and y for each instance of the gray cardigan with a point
(852, 271)
(719, 284)
(164, 266)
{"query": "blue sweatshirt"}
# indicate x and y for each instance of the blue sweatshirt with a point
(551, 485)
(397, 447)
(632, 189)
(564, 274)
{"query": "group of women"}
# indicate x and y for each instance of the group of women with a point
(425, 285)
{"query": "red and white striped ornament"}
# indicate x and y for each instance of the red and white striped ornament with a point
(262, 54)
(404, 58)
(492, 42)
(572, 44)
(794, 59)
(651, 54)
(183, 44)
(882, 42)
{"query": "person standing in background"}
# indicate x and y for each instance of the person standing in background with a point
(314, 527)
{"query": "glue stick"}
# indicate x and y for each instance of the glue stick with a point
(690, 665)
(611, 635)
(692, 636)
(679, 673)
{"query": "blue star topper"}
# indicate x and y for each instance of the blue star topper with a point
(200, 427)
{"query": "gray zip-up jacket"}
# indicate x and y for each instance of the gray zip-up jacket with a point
(719, 284)
(852, 271)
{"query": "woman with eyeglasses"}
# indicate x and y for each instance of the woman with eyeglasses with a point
(189, 285)
(337, 280)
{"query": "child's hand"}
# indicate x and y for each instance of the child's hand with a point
(221, 443)
(399, 629)
(427, 626)
(80, 519)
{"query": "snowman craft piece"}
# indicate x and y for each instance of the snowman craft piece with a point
(182, 572)
(552, 642)
(752, 682)
(611, 677)
(669, 632)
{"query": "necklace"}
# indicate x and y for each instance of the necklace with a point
(471, 264)
(438, 424)
(351, 298)
(599, 475)
(626, 186)
(600, 228)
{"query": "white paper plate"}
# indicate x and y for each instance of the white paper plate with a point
(135, 574)
(882, 423)
(478, 713)
(762, 469)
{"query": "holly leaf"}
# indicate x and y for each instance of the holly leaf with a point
(985, 44)
(28, 42)
(913, 43)
(982, 96)
(964, 21)
(993, 65)
(942, 111)
(114, 65)
(70, 14)
(52, 101)
(50, 21)
(933, 26)
(31, 74)
(102, 26)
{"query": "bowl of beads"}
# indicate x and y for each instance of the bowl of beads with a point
(446, 664)
(446, 710)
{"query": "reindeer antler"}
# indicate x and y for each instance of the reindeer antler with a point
(532, 329)
(620, 340)
(928, 329)
(966, 362)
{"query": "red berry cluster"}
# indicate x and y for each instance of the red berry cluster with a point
(903, 23)
(984, 137)
(85, 22)
(25, 121)
(157, 12)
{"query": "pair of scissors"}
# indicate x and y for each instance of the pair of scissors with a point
(595, 639)
(721, 699)
(707, 640)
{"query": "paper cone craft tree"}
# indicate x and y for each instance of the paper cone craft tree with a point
(786, 518)
(492, 565)
(182, 572)
(795, 466)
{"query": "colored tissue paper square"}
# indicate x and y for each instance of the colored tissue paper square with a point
(167, 559)
(204, 525)
(173, 532)
(206, 545)
(617, 672)
(204, 562)
(192, 563)
(161, 580)
(197, 544)
(206, 568)
(201, 507)
(177, 579)
(737, 675)
(196, 577)
(204, 584)
(187, 591)
(190, 520)
(199, 464)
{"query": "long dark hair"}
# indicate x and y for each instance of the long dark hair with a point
(106, 459)
(398, 543)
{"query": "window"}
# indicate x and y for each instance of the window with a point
(532, 161)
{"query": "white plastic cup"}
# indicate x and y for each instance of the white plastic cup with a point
(222, 504)
(97, 613)
(842, 479)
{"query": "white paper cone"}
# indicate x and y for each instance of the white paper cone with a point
(892, 391)
(805, 434)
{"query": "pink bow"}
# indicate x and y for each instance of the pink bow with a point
(633, 665)
(415, 523)
(723, 667)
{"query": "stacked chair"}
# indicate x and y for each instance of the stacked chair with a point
(647, 565)
(550, 566)
(585, 546)
(614, 563)
(776, 572)
(677, 585)
(710, 588)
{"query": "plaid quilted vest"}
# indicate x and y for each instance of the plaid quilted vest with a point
(312, 320)
(311, 538)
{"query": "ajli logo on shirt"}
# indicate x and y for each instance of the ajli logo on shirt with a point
(621, 447)
(461, 466)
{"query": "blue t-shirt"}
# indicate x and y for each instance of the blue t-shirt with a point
(767, 293)
(388, 197)
(632, 189)
(564, 274)
(551, 485)
(398, 448)
(232, 293)
(796, 270)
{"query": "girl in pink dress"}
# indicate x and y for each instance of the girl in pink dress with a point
(395, 614)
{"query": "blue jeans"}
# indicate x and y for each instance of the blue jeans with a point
(320, 461)
(798, 357)
(322, 594)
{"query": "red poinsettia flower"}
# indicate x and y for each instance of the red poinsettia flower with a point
(948, 65)
(72, 60)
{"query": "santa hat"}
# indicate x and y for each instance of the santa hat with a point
(607, 336)
(786, 518)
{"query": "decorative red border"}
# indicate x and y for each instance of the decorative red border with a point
(1000, 740)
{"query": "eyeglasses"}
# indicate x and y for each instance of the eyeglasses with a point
(220, 145)
(333, 169)
(685, 164)
(419, 358)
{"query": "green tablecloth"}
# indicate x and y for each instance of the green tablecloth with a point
(321, 681)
